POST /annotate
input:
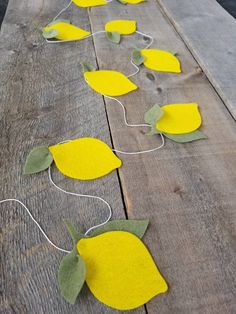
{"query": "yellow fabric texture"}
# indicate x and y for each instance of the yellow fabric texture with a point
(89, 3)
(84, 158)
(110, 83)
(124, 27)
(133, 1)
(179, 118)
(67, 31)
(120, 271)
(160, 60)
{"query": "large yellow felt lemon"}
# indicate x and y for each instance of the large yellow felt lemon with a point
(89, 3)
(110, 83)
(84, 158)
(179, 118)
(67, 31)
(120, 271)
(124, 27)
(160, 60)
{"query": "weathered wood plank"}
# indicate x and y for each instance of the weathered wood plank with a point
(188, 191)
(210, 33)
(44, 100)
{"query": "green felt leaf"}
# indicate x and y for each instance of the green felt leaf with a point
(71, 276)
(52, 33)
(76, 236)
(153, 131)
(86, 67)
(59, 21)
(185, 138)
(152, 116)
(137, 227)
(38, 160)
(137, 57)
(121, 1)
(114, 37)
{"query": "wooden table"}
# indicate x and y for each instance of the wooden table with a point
(187, 191)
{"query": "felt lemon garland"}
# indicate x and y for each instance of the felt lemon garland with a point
(114, 263)
(83, 159)
(112, 260)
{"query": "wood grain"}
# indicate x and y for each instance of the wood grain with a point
(188, 191)
(44, 100)
(210, 33)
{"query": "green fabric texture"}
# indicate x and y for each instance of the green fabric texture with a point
(52, 33)
(137, 227)
(187, 137)
(76, 236)
(38, 160)
(86, 67)
(137, 57)
(114, 37)
(152, 116)
(71, 276)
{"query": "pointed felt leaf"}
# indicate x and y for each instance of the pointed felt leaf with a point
(187, 137)
(121, 1)
(66, 31)
(109, 83)
(76, 236)
(86, 67)
(38, 160)
(123, 27)
(71, 276)
(137, 57)
(52, 33)
(137, 227)
(114, 37)
(152, 116)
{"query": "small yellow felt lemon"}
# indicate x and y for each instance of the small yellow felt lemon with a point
(84, 158)
(133, 1)
(110, 83)
(67, 31)
(120, 271)
(179, 118)
(160, 60)
(124, 27)
(89, 3)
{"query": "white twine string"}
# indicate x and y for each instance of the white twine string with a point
(87, 196)
(67, 7)
(35, 221)
(142, 151)
(63, 10)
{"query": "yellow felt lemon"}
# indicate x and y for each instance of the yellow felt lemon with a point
(124, 27)
(110, 83)
(84, 158)
(160, 60)
(133, 1)
(179, 118)
(67, 31)
(120, 271)
(89, 3)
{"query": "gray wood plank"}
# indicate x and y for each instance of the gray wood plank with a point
(210, 33)
(44, 100)
(188, 191)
